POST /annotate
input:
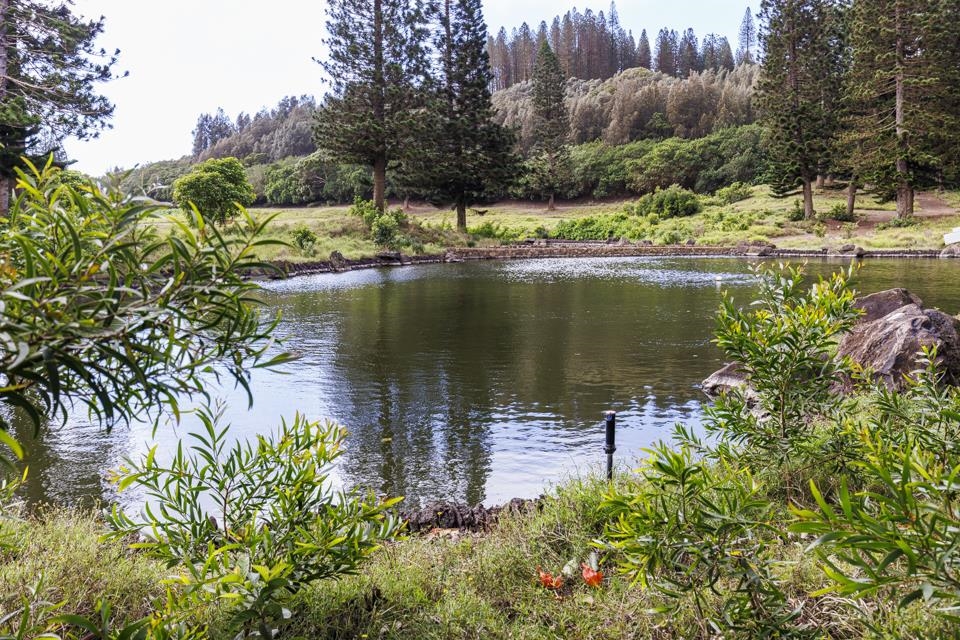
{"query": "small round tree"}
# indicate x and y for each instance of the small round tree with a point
(216, 187)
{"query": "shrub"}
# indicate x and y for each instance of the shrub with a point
(898, 223)
(672, 202)
(796, 213)
(384, 229)
(216, 188)
(495, 231)
(839, 213)
(305, 239)
(253, 523)
(734, 193)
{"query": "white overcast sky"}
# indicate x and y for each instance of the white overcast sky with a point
(187, 57)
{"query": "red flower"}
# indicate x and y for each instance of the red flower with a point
(549, 581)
(591, 576)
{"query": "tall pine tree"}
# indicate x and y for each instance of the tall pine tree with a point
(905, 94)
(550, 163)
(644, 57)
(747, 39)
(378, 70)
(465, 156)
(800, 89)
(49, 69)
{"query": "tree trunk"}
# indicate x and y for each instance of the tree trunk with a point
(851, 197)
(380, 183)
(550, 205)
(461, 215)
(406, 203)
(904, 199)
(904, 188)
(821, 180)
(808, 199)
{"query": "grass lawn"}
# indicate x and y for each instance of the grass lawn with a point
(762, 217)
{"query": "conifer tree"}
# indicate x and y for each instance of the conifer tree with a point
(551, 125)
(800, 89)
(464, 155)
(688, 56)
(49, 69)
(747, 39)
(644, 57)
(905, 94)
(726, 55)
(377, 67)
(666, 53)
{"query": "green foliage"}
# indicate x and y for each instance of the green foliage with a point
(839, 213)
(898, 534)
(784, 344)
(496, 231)
(103, 311)
(384, 226)
(252, 524)
(898, 223)
(283, 185)
(218, 188)
(734, 193)
(384, 229)
(672, 202)
(693, 530)
(305, 239)
(602, 170)
(703, 165)
(796, 213)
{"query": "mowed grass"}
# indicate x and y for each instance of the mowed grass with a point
(760, 218)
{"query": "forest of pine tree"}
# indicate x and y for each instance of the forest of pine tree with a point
(596, 46)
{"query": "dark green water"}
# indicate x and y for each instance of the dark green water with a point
(480, 382)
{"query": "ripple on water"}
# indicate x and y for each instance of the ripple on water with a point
(662, 272)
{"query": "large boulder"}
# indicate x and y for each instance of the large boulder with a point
(891, 332)
(951, 251)
(888, 346)
(877, 305)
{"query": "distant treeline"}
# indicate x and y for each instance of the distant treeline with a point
(596, 46)
(615, 126)
(639, 104)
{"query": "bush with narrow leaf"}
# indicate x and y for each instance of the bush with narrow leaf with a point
(254, 522)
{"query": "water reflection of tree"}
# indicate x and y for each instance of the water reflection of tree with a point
(429, 366)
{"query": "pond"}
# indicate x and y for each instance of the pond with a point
(478, 382)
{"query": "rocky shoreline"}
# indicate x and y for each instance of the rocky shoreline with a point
(542, 249)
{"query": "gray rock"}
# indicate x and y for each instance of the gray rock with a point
(887, 347)
(847, 248)
(951, 251)
(876, 305)
(726, 379)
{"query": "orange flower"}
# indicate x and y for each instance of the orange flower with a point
(591, 576)
(549, 581)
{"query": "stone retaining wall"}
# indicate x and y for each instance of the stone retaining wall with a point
(545, 249)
